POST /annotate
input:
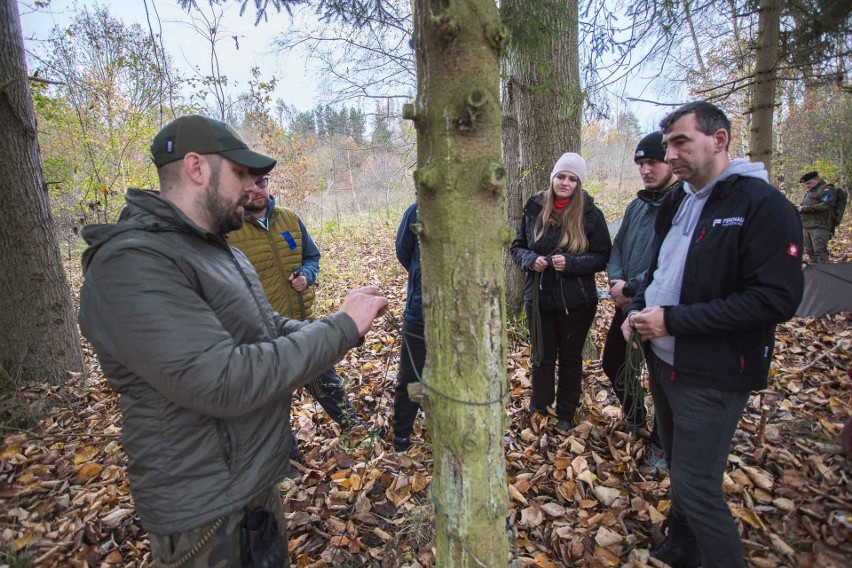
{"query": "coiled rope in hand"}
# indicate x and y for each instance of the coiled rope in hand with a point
(536, 348)
(629, 379)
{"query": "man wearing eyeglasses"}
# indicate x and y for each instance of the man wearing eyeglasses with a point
(278, 244)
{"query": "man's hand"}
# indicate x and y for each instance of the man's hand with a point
(540, 264)
(799, 208)
(364, 305)
(615, 291)
(299, 283)
(650, 323)
(627, 327)
(559, 262)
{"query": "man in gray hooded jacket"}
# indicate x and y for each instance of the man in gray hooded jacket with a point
(203, 367)
(726, 268)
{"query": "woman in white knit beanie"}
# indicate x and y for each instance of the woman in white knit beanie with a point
(562, 241)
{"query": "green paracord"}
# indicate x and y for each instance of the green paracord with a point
(629, 378)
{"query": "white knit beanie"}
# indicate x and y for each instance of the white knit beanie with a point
(570, 162)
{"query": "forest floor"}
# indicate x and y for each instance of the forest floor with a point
(577, 498)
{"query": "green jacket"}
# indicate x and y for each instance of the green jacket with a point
(203, 367)
(632, 247)
(274, 260)
(817, 207)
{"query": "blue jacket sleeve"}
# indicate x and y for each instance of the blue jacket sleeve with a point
(310, 255)
(405, 239)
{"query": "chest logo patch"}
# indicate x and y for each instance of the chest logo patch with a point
(291, 242)
(729, 222)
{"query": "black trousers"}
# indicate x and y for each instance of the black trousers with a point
(412, 356)
(613, 358)
(697, 426)
(563, 336)
(328, 390)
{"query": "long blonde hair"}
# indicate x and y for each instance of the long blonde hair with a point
(570, 220)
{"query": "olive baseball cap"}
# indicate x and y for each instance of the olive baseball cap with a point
(204, 135)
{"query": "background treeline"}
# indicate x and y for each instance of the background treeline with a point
(106, 87)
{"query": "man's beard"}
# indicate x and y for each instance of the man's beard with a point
(252, 208)
(663, 184)
(223, 214)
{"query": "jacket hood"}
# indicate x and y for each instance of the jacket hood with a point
(737, 167)
(655, 197)
(145, 210)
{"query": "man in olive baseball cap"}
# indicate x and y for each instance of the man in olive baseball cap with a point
(204, 135)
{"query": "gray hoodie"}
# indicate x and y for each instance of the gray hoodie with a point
(665, 288)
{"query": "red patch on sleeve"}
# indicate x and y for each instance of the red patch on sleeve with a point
(793, 250)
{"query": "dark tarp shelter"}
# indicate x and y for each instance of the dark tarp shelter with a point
(828, 290)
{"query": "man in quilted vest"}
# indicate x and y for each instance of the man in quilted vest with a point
(285, 257)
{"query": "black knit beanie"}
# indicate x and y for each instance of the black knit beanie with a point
(651, 147)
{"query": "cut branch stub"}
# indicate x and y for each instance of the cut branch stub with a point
(442, 17)
(417, 229)
(474, 103)
(428, 178)
(494, 177)
(498, 35)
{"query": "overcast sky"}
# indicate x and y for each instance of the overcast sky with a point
(297, 83)
(188, 49)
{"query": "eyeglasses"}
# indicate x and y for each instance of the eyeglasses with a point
(262, 183)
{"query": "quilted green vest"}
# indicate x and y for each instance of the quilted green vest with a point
(274, 260)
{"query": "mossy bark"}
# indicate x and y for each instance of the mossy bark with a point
(39, 340)
(542, 107)
(460, 182)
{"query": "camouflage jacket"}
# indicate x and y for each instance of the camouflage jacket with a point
(817, 206)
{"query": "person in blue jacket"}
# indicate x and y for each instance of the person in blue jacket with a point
(413, 350)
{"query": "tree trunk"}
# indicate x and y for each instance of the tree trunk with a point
(39, 339)
(763, 94)
(460, 182)
(543, 74)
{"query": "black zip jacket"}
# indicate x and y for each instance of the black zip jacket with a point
(743, 275)
(575, 287)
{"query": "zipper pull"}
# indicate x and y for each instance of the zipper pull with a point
(701, 235)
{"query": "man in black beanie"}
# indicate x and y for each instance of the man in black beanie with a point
(628, 264)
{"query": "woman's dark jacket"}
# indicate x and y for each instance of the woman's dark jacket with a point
(575, 287)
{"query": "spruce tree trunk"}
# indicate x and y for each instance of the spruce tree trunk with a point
(542, 72)
(763, 93)
(39, 339)
(460, 182)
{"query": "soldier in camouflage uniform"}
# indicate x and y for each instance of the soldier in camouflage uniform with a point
(816, 210)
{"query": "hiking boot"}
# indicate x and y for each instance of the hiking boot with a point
(682, 554)
(401, 444)
(566, 425)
